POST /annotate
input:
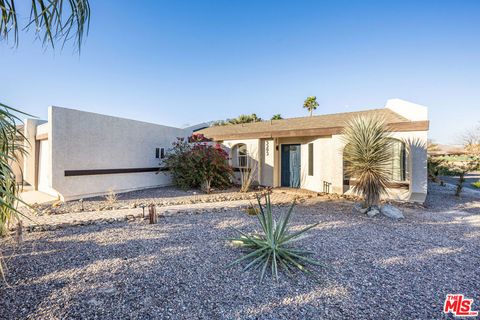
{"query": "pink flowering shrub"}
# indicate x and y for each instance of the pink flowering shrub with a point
(198, 165)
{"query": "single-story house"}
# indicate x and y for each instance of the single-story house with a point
(307, 152)
(76, 154)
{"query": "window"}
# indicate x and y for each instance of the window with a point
(398, 163)
(240, 156)
(310, 159)
(160, 153)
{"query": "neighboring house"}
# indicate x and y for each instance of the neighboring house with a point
(307, 152)
(447, 150)
(78, 154)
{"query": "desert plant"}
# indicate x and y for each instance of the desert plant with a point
(273, 244)
(310, 104)
(436, 166)
(247, 176)
(11, 143)
(198, 164)
(277, 116)
(367, 153)
(111, 197)
(460, 169)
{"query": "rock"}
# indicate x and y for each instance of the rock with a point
(358, 207)
(392, 212)
(373, 212)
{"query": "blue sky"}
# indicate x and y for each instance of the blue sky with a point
(183, 62)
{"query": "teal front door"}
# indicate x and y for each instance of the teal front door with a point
(290, 169)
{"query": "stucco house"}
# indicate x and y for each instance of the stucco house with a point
(76, 154)
(307, 152)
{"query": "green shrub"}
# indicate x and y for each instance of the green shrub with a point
(273, 245)
(436, 167)
(476, 184)
(198, 164)
(460, 169)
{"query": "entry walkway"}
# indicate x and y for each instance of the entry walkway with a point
(35, 197)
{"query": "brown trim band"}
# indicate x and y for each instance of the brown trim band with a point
(392, 184)
(392, 127)
(91, 172)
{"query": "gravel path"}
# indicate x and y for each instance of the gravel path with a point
(377, 268)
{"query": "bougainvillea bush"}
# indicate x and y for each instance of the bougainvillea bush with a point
(198, 164)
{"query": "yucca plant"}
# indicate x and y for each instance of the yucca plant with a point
(272, 246)
(367, 155)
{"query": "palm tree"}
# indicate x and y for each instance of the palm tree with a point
(11, 145)
(367, 154)
(277, 116)
(311, 104)
(54, 21)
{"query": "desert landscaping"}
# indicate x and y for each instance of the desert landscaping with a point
(176, 268)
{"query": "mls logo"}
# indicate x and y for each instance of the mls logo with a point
(459, 306)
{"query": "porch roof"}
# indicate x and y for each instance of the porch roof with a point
(323, 125)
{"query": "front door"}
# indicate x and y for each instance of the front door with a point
(290, 165)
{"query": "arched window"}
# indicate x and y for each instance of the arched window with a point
(240, 156)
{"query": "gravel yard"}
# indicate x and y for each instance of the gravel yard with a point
(161, 196)
(377, 268)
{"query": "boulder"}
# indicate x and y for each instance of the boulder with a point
(358, 207)
(373, 212)
(392, 212)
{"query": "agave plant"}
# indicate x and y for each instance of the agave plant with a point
(367, 155)
(273, 245)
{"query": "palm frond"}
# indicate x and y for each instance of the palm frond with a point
(53, 20)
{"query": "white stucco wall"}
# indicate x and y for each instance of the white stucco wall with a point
(85, 141)
(254, 153)
(409, 110)
(328, 163)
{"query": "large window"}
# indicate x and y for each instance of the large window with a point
(399, 161)
(397, 165)
(240, 156)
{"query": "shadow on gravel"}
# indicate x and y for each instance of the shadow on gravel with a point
(176, 269)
